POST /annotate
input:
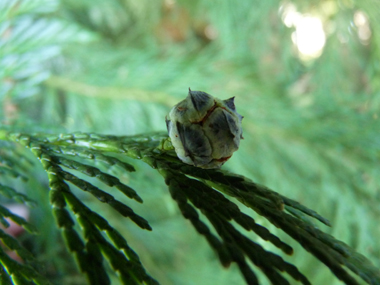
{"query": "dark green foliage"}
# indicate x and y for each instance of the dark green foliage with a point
(4, 212)
(88, 253)
(10, 269)
(19, 197)
(311, 131)
(201, 195)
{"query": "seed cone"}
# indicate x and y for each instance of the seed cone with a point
(204, 130)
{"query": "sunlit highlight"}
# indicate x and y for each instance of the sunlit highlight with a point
(309, 36)
(364, 30)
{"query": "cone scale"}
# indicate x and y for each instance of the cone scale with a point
(205, 131)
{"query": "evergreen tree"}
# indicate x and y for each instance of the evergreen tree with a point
(85, 87)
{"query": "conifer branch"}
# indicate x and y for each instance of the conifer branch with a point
(11, 193)
(12, 270)
(200, 195)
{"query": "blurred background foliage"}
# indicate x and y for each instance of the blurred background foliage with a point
(305, 75)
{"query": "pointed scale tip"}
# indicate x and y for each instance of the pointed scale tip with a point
(230, 103)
